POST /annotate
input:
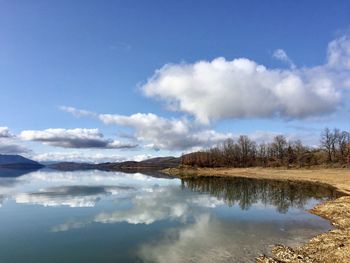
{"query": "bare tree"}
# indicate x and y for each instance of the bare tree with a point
(229, 151)
(300, 152)
(335, 147)
(246, 149)
(280, 146)
(327, 142)
(262, 154)
(342, 139)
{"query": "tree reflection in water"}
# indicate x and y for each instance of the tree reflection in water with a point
(247, 191)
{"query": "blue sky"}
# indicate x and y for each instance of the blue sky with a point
(100, 57)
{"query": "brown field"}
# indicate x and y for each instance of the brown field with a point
(333, 246)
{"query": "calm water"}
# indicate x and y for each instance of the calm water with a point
(96, 216)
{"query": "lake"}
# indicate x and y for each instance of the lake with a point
(97, 216)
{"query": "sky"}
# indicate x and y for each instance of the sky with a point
(127, 80)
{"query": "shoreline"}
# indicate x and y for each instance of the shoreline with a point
(332, 246)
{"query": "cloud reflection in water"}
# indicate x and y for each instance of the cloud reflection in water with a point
(72, 196)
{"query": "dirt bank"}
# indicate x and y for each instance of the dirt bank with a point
(333, 246)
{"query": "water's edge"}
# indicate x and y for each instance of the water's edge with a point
(331, 246)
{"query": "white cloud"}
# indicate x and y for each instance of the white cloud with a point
(9, 144)
(88, 157)
(77, 112)
(73, 138)
(141, 157)
(240, 88)
(224, 89)
(77, 156)
(162, 133)
(179, 134)
(12, 148)
(157, 132)
(5, 132)
(339, 53)
(281, 55)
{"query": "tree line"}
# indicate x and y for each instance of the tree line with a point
(334, 150)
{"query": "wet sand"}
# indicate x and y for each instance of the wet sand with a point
(333, 246)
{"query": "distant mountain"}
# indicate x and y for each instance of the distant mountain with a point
(163, 161)
(71, 166)
(18, 162)
(153, 164)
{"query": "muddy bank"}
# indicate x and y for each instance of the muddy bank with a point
(332, 246)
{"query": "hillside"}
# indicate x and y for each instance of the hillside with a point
(153, 164)
(71, 166)
(18, 162)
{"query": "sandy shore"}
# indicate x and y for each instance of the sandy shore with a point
(330, 247)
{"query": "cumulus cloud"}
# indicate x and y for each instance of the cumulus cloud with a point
(73, 138)
(162, 133)
(158, 132)
(180, 134)
(11, 148)
(281, 55)
(339, 53)
(5, 132)
(77, 156)
(239, 88)
(9, 144)
(88, 157)
(234, 89)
